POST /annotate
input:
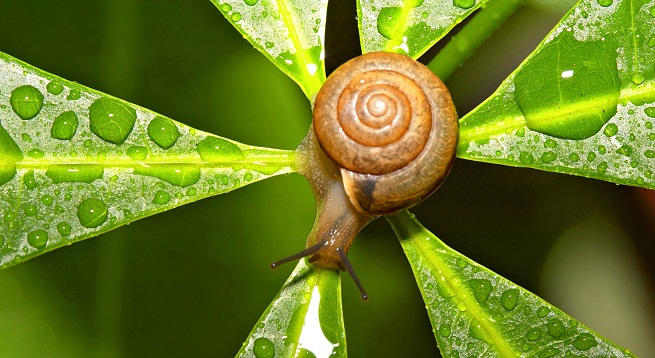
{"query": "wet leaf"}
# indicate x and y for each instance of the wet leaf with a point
(478, 313)
(291, 33)
(304, 320)
(583, 103)
(409, 27)
(76, 163)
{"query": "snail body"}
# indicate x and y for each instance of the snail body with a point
(384, 138)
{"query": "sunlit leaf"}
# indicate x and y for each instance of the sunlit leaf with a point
(409, 27)
(583, 103)
(76, 163)
(304, 320)
(475, 312)
(291, 33)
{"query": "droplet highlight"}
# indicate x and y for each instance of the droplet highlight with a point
(26, 101)
(263, 348)
(163, 132)
(64, 126)
(214, 149)
(37, 239)
(509, 299)
(64, 228)
(161, 198)
(92, 213)
(111, 120)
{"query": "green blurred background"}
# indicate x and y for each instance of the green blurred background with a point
(193, 281)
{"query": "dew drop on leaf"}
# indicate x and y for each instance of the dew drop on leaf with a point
(649, 153)
(9, 217)
(650, 112)
(191, 192)
(482, 289)
(444, 330)
(26, 101)
(533, 334)
(64, 126)
(602, 149)
(566, 97)
(36, 153)
(638, 78)
(509, 299)
(464, 4)
(461, 263)
(30, 210)
(46, 199)
(111, 120)
(584, 342)
(574, 157)
(591, 156)
(214, 149)
(163, 132)
(29, 181)
(548, 157)
(478, 332)
(387, 23)
(251, 2)
(226, 7)
(549, 352)
(236, 16)
(137, 152)
(92, 213)
(602, 168)
(625, 150)
(180, 175)
(542, 312)
(526, 157)
(64, 228)
(75, 173)
(605, 3)
(54, 87)
(37, 239)
(161, 198)
(263, 348)
(74, 95)
(555, 328)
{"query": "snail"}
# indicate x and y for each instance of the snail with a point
(383, 138)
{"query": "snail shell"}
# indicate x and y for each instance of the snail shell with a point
(390, 124)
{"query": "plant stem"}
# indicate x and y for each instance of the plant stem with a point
(469, 39)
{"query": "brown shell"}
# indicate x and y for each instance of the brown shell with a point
(391, 125)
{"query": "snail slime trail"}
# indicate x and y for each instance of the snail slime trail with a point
(383, 138)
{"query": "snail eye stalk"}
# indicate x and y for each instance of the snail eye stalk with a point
(304, 253)
(351, 271)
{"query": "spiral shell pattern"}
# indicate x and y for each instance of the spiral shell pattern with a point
(391, 126)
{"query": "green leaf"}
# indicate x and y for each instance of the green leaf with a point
(291, 33)
(77, 163)
(409, 27)
(583, 103)
(476, 312)
(304, 320)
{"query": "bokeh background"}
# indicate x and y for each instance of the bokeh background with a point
(192, 282)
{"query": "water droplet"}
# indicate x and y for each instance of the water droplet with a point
(161, 198)
(602, 168)
(533, 334)
(574, 157)
(526, 157)
(251, 2)
(37, 239)
(461, 263)
(548, 104)
(81, 173)
(74, 95)
(111, 120)
(191, 191)
(9, 217)
(478, 332)
(36, 153)
(591, 156)
(638, 78)
(64, 126)
(542, 312)
(29, 181)
(387, 21)
(549, 143)
(510, 299)
(444, 330)
(214, 149)
(47, 199)
(236, 16)
(92, 213)
(26, 101)
(269, 44)
(226, 7)
(64, 228)
(55, 88)
(263, 348)
(163, 132)
(602, 149)
(464, 4)
(548, 157)
(180, 175)
(605, 3)
(555, 328)
(30, 210)
(248, 177)
(650, 112)
(649, 125)
(137, 152)
(549, 352)
(482, 289)
(584, 342)
(625, 150)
